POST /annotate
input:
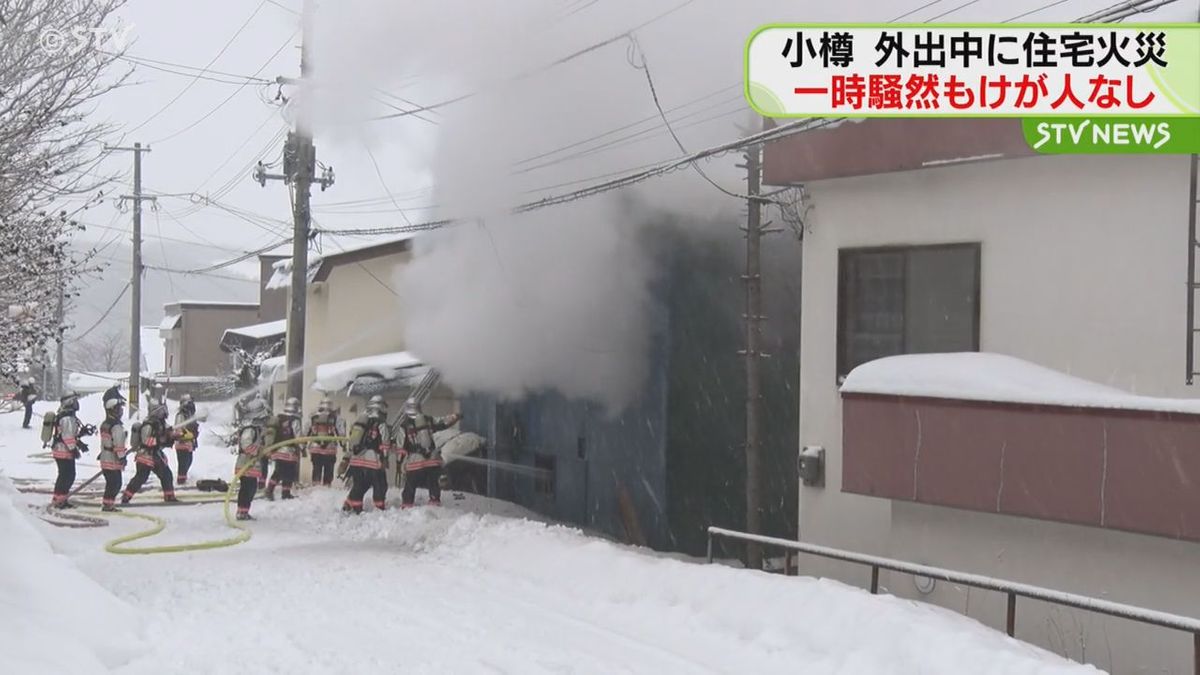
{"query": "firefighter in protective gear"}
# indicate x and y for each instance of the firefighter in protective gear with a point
(421, 456)
(66, 445)
(28, 396)
(325, 422)
(284, 427)
(112, 451)
(188, 430)
(249, 440)
(154, 435)
(370, 441)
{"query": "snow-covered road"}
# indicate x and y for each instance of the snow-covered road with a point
(473, 587)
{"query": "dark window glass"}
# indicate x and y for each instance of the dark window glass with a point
(910, 300)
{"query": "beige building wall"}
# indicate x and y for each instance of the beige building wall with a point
(193, 348)
(357, 311)
(1084, 261)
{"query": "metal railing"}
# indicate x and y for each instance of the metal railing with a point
(1012, 589)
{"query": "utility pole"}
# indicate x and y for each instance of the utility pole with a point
(58, 362)
(135, 315)
(753, 353)
(299, 172)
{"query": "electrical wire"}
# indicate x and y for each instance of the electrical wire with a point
(183, 71)
(211, 61)
(103, 316)
(557, 62)
(966, 4)
(383, 183)
(229, 98)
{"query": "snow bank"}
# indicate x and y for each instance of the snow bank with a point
(53, 618)
(680, 616)
(996, 377)
(89, 383)
(331, 377)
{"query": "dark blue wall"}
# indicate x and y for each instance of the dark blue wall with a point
(596, 454)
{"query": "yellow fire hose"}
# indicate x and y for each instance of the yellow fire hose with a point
(118, 547)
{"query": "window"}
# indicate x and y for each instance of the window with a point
(906, 300)
(544, 480)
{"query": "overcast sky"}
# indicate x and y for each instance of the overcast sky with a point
(206, 135)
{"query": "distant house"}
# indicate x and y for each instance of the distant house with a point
(1027, 461)
(248, 346)
(272, 300)
(191, 332)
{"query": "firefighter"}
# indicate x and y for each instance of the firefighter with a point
(66, 438)
(422, 460)
(249, 442)
(188, 430)
(29, 396)
(324, 422)
(369, 443)
(154, 435)
(112, 451)
(284, 427)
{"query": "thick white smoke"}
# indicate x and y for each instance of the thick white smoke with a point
(556, 298)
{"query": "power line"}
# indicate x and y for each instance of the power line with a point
(211, 61)
(557, 62)
(104, 316)
(191, 71)
(966, 4)
(229, 98)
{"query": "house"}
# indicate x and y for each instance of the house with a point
(272, 302)
(354, 332)
(660, 470)
(249, 345)
(191, 332)
(1061, 455)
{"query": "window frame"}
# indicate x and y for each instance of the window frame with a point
(842, 300)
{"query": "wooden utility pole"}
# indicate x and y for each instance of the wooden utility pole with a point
(58, 357)
(135, 283)
(299, 172)
(753, 353)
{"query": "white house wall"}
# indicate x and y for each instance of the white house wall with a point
(1084, 261)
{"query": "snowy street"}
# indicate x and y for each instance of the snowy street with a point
(473, 587)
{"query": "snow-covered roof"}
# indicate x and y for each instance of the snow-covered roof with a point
(213, 303)
(91, 382)
(396, 366)
(258, 331)
(168, 380)
(282, 275)
(997, 377)
(273, 370)
(154, 351)
(170, 322)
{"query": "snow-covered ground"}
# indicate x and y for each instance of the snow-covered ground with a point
(473, 587)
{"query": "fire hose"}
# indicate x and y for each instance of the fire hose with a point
(117, 546)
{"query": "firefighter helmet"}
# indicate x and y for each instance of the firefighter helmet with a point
(291, 406)
(158, 408)
(69, 400)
